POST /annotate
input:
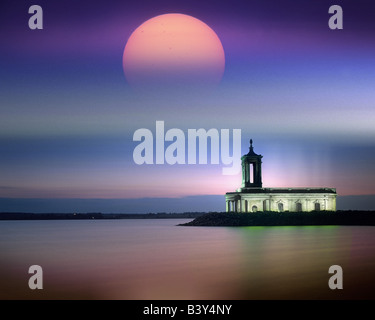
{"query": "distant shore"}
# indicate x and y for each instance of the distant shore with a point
(358, 218)
(95, 215)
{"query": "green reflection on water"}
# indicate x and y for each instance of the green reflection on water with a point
(290, 261)
(258, 228)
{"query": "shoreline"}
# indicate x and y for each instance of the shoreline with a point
(95, 215)
(343, 217)
(315, 218)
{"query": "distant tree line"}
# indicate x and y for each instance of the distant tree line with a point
(95, 215)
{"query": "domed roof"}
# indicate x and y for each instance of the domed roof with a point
(251, 152)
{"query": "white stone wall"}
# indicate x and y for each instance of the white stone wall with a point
(305, 202)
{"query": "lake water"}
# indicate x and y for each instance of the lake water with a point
(155, 259)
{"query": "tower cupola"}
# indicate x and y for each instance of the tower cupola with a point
(251, 169)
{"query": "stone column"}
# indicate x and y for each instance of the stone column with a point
(247, 174)
(244, 174)
(243, 205)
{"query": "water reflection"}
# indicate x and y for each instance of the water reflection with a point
(291, 262)
(155, 259)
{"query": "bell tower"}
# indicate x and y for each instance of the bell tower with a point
(251, 169)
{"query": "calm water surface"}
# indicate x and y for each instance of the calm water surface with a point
(155, 259)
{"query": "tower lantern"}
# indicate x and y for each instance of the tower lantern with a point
(251, 169)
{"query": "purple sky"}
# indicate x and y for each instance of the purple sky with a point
(303, 92)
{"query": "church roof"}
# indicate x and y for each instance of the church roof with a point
(251, 152)
(284, 190)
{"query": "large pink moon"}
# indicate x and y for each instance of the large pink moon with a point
(173, 49)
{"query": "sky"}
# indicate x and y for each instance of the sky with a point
(303, 92)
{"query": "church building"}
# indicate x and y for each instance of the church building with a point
(252, 197)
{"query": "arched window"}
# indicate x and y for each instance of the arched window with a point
(254, 208)
(317, 206)
(299, 207)
(280, 206)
